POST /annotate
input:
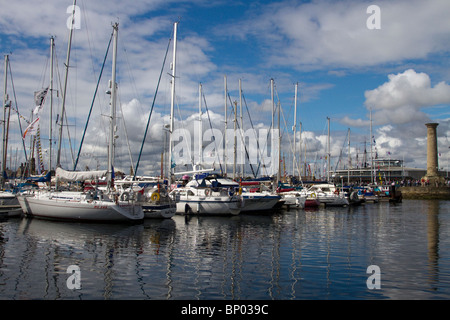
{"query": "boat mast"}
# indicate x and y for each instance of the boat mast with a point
(279, 143)
(63, 107)
(241, 130)
(272, 135)
(294, 128)
(349, 158)
(172, 103)
(226, 127)
(329, 152)
(52, 47)
(371, 155)
(5, 100)
(200, 128)
(112, 120)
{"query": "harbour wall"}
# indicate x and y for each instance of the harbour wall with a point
(425, 192)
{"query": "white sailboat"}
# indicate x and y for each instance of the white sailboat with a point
(94, 205)
(198, 197)
(195, 197)
(328, 194)
(151, 193)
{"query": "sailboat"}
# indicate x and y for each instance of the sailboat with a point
(199, 197)
(149, 192)
(94, 205)
(204, 196)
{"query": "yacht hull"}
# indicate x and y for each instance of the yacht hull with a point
(79, 209)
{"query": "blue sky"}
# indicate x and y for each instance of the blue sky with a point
(400, 71)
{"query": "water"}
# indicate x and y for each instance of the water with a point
(288, 255)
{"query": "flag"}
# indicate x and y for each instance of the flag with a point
(32, 128)
(39, 98)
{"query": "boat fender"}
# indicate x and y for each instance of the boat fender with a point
(125, 196)
(240, 190)
(155, 196)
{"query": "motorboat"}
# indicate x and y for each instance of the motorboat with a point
(328, 194)
(198, 197)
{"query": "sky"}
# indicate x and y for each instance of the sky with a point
(353, 62)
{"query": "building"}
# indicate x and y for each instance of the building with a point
(384, 170)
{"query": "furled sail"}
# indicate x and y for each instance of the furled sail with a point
(64, 175)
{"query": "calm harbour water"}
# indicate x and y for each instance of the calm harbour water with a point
(295, 254)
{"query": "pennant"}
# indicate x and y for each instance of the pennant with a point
(32, 128)
(39, 96)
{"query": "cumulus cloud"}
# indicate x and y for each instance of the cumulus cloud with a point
(403, 97)
(323, 34)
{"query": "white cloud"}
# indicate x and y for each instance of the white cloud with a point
(402, 98)
(322, 34)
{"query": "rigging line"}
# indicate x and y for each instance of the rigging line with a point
(245, 148)
(264, 148)
(151, 111)
(92, 104)
(68, 137)
(17, 109)
(251, 123)
(210, 125)
(341, 152)
(189, 143)
(126, 133)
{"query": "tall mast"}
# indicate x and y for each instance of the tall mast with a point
(329, 152)
(112, 120)
(52, 46)
(226, 128)
(273, 124)
(294, 128)
(349, 158)
(241, 130)
(235, 140)
(5, 100)
(371, 156)
(200, 127)
(63, 107)
(172, 103)
(279, 144)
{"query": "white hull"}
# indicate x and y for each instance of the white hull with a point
(328, 195)
(8, 199)
(258, 202)
(192, 199)
(210, 207)
(294, 199)
(162, 211)
(330, 200)
(75, 206)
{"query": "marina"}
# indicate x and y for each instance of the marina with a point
(320, 254)
(152, 174)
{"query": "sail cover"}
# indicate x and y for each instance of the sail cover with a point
(64, 175)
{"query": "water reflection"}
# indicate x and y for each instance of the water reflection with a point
(321, 254)
(433, 242)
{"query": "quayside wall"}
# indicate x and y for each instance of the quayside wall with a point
(425, 192)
